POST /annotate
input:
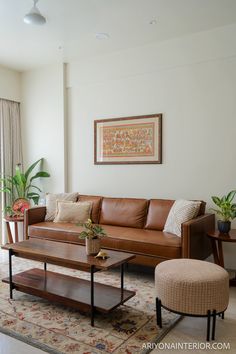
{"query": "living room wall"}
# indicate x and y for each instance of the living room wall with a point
(42, 112)
(191, 80)
(9, 84)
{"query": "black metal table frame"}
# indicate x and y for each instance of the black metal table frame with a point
(93, 270)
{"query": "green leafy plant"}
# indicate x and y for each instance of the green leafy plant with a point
(226, 208)
(21, 185)
(92, 231)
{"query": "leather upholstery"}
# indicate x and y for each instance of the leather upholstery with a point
(129, 212)
(157, 213)
(124, 220)
(96, 201)
(56, 231)
(195, 244)
(33, 216)
(143, 242)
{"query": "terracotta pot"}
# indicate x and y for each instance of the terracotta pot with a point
(93, 246)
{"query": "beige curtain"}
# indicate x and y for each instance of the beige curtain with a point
(10, 145)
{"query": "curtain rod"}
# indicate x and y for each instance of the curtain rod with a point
(5, 99)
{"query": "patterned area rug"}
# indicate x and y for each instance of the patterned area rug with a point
(57, 329)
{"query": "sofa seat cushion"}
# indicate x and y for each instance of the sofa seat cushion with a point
(148, 242)
(140, 241)
(66, 232)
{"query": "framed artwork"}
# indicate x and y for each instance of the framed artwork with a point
(129, 140)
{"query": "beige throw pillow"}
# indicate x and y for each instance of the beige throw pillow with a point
(60, 201)
(51, 203)
(73, 212)
(180, 212)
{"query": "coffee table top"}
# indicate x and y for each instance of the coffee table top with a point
(65, 254)
(230, 237)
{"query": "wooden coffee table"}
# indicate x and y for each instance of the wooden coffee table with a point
(85, 295)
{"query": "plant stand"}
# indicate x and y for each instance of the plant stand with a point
(15, 221)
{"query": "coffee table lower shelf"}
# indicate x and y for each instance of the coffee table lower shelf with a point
(69, 291)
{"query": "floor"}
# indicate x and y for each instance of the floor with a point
(188, 333)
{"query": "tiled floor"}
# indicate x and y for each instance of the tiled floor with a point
(10, 345)
(189, 330)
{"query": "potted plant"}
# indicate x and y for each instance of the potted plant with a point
(92, 235)
(20, 188)
(226, 211)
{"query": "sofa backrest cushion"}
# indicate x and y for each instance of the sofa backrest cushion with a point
(157, 213)
(96, 205)
(129, 212)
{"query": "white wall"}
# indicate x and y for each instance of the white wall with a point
(9, 84)
(42, 113)
(192, 81)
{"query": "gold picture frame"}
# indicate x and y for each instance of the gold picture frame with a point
(128, 140)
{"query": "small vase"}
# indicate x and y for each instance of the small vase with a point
(224, 226)
(93, 246)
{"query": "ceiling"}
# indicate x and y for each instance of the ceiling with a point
(69, 33)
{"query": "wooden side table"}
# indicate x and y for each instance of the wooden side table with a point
(216, 241)
(15, 220)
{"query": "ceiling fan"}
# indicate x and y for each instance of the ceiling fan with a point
(34, 17)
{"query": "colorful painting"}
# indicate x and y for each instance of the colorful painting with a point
(128, 140)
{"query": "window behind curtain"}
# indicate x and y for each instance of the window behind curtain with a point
(10, 146)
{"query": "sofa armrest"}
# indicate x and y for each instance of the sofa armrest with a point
(195, 243)
(33, 216)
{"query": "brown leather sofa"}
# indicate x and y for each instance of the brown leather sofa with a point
(132, 225)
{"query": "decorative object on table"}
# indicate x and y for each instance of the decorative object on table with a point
(20, 186)
(102, 254)
(92, 235)
(20, 205)
(226, 211)
(128, 140)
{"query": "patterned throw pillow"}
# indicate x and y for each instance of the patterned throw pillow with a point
(180, 212)
(51, 203)
(73, 212)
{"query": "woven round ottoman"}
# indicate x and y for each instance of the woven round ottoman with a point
(192, 288)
